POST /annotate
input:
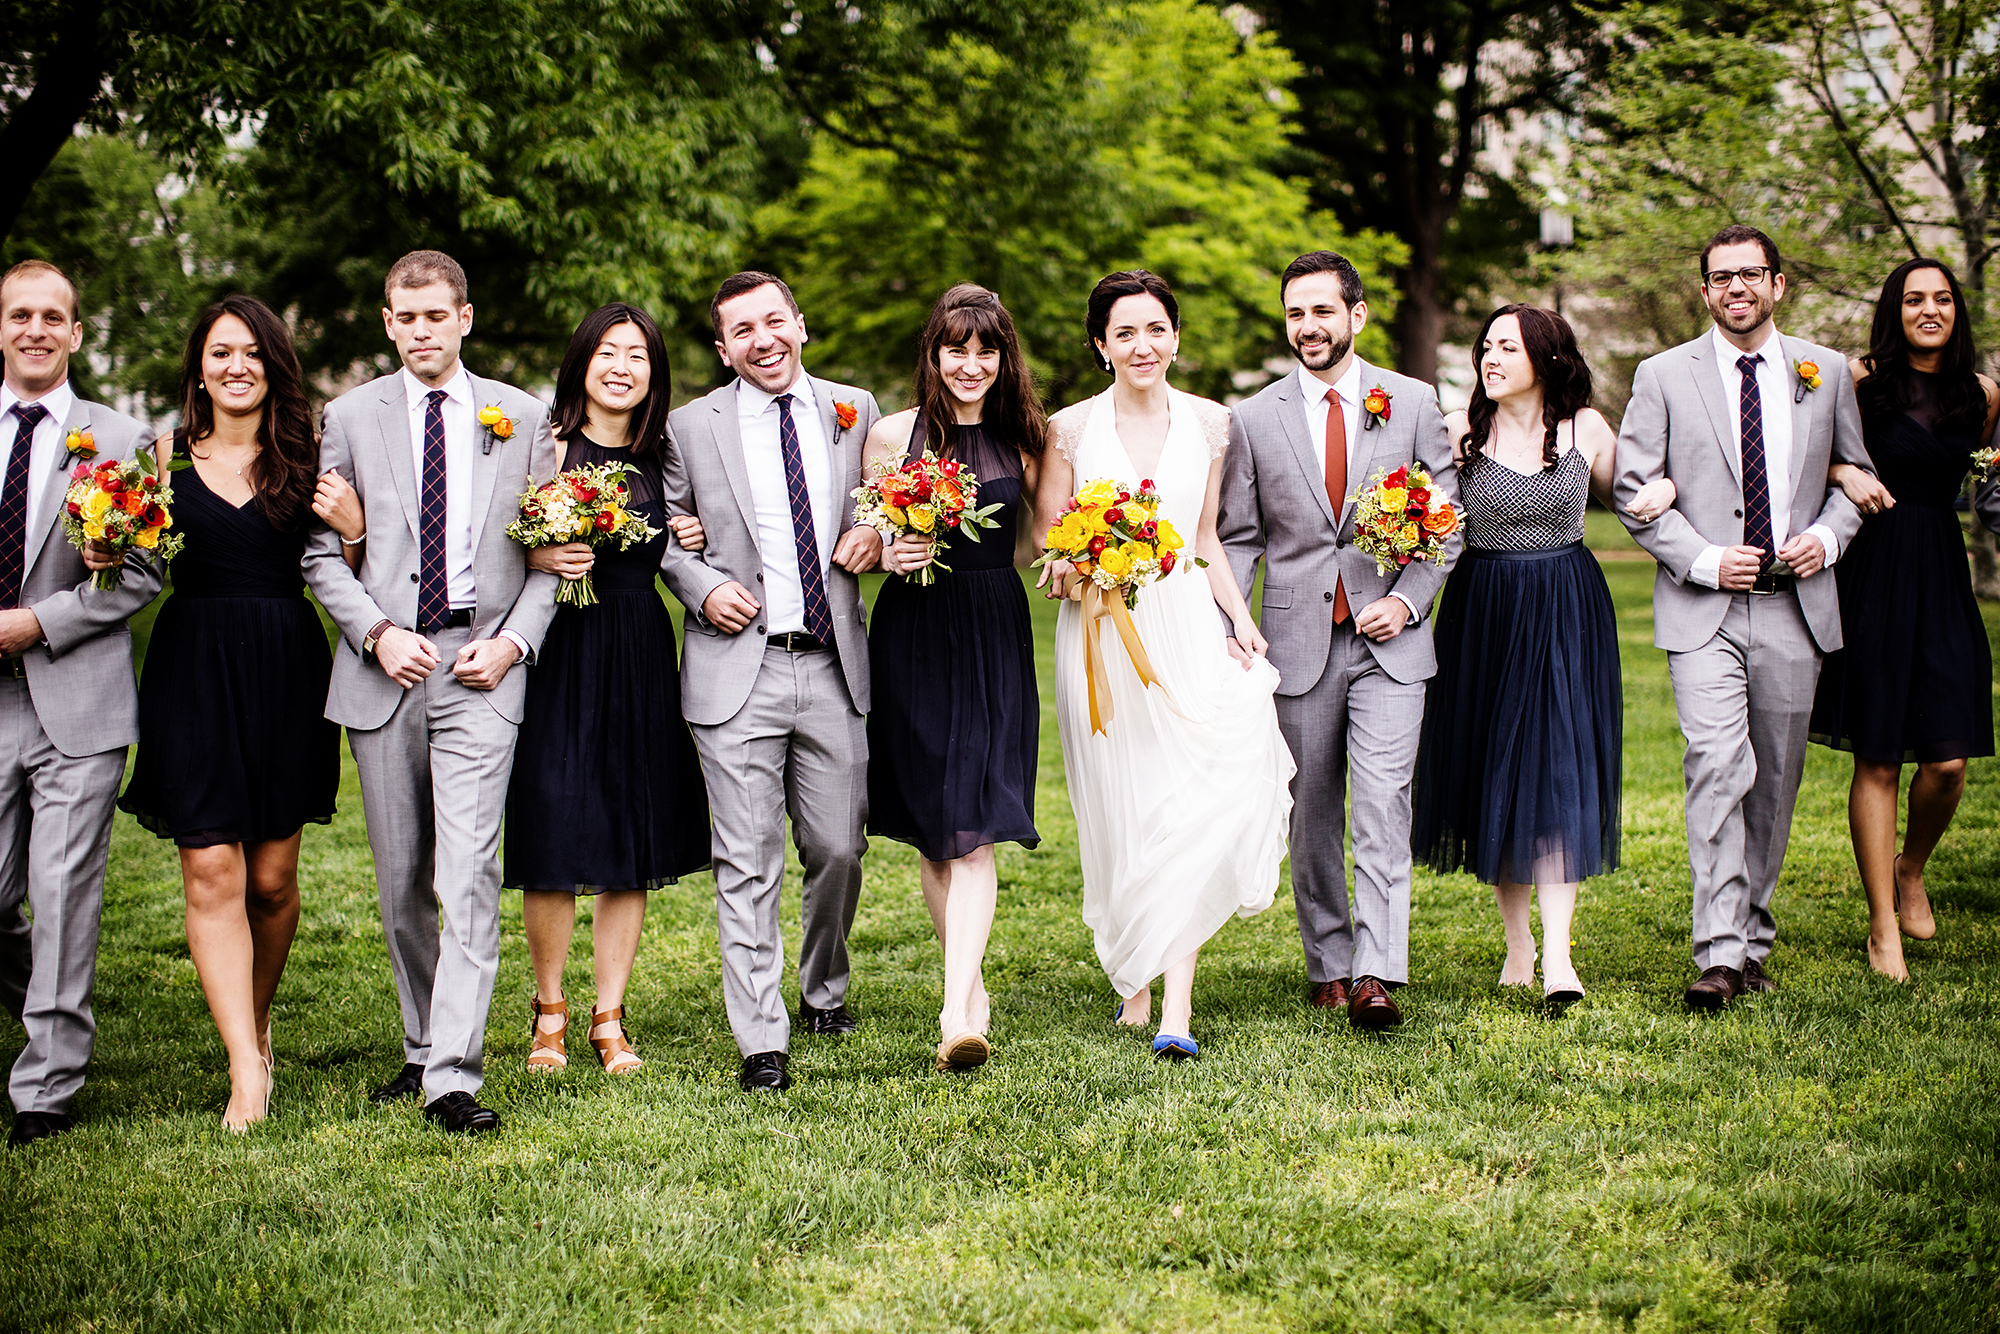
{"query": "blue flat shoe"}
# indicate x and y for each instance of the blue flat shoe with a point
(1167, 1047)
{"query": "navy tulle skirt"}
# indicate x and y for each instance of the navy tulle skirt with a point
(1519, 765)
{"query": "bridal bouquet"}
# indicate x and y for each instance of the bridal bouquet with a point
(120, 505)
(1398, 519)
(591, 505)
(1983, 461)
(929, 497)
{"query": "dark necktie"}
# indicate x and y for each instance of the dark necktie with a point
(433, 581)
(14, 506)
(812, 580)
(1756, 475)
(1336, 485)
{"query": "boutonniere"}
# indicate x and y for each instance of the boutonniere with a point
(499, 426)
(81, 444)
(1808, 373)
(844, 417)
(1376, 405)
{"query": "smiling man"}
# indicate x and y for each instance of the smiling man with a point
(774, 675)
(1745, 422)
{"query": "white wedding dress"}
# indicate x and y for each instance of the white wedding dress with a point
(1182, 801)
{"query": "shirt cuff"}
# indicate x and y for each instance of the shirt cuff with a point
(1707, 568)
(527, 654)
(1415, 615)
(1827, 540)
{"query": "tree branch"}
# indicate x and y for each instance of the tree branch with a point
(66, 83)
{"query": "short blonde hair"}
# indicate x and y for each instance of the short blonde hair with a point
(28, 268)
(421, 268)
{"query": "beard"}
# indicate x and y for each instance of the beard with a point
(1761, 306)
(1323, 355)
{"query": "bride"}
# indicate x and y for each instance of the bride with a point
(1182, 800)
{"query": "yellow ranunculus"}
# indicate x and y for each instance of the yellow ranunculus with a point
(1069, 535)
(584, 525)
(147, 538)
(1094, 522)
(1167, 537)
(94, 529)
(1410, 533)
(1100, 492)
(1115, 562)
(1138, 553)
(895, 515)
(1136, 514)
(1394, 499)
(489, 415)
(923, 518)
(95, 504)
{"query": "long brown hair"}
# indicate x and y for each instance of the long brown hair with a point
(572, 401)
(1560, 372)
(1013, 412)
(287, 465)
(1888, 386)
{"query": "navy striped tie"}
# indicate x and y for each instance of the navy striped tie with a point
(433, 581)
(14, 506)
(812, 580)
(1756, 473)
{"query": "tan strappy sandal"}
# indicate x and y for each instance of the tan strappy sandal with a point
(545, 1049)
(615, 1051)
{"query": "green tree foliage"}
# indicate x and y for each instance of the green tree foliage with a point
(1149, 137)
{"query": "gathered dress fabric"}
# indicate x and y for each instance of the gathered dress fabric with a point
(1914, 680)
(234, 744)
(607, 792)
(955, 731)
(1183, 801)
(1520, 758)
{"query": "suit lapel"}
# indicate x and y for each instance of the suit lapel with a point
(1708, 388)
(830, 432)
(729, 445)
(53, 488)
(1291, 417)
(1802, 414)
(485, 467)
(392, 420)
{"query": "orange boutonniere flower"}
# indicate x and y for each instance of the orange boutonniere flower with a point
(499, 426)
(81, 444)
(845, 415)
(1377, 405)
(1808, 373)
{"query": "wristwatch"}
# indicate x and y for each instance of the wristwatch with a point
(375, 633)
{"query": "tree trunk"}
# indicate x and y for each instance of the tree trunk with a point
(1420, 316)
(66, 83)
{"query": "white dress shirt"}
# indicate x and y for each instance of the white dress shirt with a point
(1775, 381)
(764, 461)
(1313, 393)
(45, 454)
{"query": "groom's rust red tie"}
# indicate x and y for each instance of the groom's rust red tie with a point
(14, 506)
(1336, 487)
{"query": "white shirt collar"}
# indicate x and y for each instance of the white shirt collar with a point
(754, 401)
(58, 401)
(1770, 349)
(458, 388)
(1348, 386)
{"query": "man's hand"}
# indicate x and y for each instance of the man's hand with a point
(730, 607)
(484, 662)
(1740, 566)
(99, 557)
(858, 550)
(406, 656)
(20, 630)
(1383, 619)
(1804, 555)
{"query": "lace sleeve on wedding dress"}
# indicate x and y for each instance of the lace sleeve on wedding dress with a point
(1214, 420)
(1066, 429)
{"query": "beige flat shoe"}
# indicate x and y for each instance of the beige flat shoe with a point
(967, 1051)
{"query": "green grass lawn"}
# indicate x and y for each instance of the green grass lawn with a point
(1820, 1159)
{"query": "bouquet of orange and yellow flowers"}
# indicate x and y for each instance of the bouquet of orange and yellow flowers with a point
(591, 505)
(930, 497)
(1398, 518)
(120, 505)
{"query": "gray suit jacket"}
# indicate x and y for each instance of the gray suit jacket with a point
(80, 678)
(1986, 503)
(365, 437)
(1275, 506)
(1678, 426)
(706, 477)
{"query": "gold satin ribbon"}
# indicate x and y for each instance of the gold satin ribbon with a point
(1096, 603)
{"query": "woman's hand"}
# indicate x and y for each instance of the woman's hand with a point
(1060, 580)
(1248, 643)
(687, 531)
(97, 557)
(1653, 499)
(338, 507)
(571, 560)
(907, 554)
(1864, 488)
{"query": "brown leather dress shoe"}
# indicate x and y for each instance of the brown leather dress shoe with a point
(1369, 1006)
(1715, 988)
(1328, 995)
(1756, 979)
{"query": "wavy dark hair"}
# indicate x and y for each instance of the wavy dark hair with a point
(1013, 409)
(1109, 290)
(572, 401)
(1889, 387)
(1560, 372)
(286, 468)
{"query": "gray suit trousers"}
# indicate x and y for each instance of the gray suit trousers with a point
(1744, 700)
(55, 835)
(797, 747)
(434, 787)
(1355, 731)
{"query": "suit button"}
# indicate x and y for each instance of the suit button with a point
(413, 578)
(1340, 545)
(760, 578)
(760, 629)
(1739, 514)
(1327, 596)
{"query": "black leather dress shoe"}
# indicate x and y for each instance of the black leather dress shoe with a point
(460, 1113)
(1369, 1005)
(1756, 979)
(1715, 988)
(409, 1084)
(764, 1070)
(838, 1022)
(31, 1126)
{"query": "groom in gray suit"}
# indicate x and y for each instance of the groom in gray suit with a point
(1742, 602)
(1352, 646)
(68, 703)
(440, 610)
(774, 673)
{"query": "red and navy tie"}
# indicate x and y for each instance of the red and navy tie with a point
(14, 506)
(812, 580)
(1756, 474)
(433, 581)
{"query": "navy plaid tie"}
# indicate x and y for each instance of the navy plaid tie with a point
(1756, 474)
(812, 580)
(433, 581)
(14, 506)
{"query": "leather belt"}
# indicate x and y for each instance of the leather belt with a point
(1774, 583)
(458, 620)
(16, 668)
(796, 641)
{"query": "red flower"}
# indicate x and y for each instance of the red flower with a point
(1166, 562)
(1145, 484)
(1124, 496)
(1402, 560)
(81, 471)
(604, 522)
(74, 509)
(1071, 507)
(111, 482)
(1114, 514)
(951, 467)
(154, 516)
(1149, 530)
(1420, 495)
(1096, 546)
(1400, 477)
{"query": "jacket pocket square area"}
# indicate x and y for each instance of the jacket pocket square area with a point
(1278, 597)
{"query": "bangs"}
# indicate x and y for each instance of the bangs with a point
(961, 324)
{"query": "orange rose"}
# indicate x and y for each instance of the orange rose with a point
(503, 429)
(132, 502)
(845, 414)
(1442, 522)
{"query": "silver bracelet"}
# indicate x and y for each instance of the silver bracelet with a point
(355, 543)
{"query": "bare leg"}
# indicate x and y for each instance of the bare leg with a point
(1513, 900)
(1558, 912)
(1871, 821)
(1934, 797)
(219, 941)
(961, 895)
(272, 907)
(549, 919)
(617, 919)
(1177, 995)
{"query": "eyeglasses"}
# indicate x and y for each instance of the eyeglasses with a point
(1753, 276)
